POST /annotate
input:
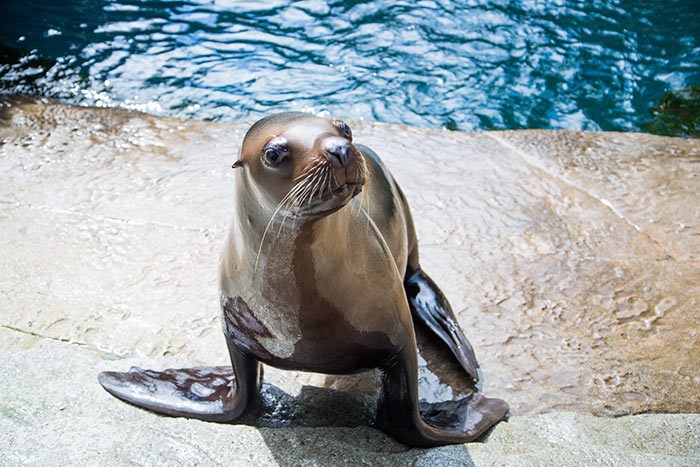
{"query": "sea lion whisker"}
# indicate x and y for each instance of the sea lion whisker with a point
(296, 201)
(322, 187)
(316, 186)
(311, 181)
(359, 205)
(295, 193)
(288, 196)
(301, 193)
(329, 178)
(311, 168)
(308, 190)
(367, 210)
(308, 194)
(262, 240)
(335, 179)
(327, 187)
(288, 202)
(306, 172)
(364, 171)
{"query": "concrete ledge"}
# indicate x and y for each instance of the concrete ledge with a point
(573, 260)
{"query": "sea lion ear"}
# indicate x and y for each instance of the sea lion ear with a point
(344, 129)
(238, 163)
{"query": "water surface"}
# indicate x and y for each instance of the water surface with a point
(591, 65)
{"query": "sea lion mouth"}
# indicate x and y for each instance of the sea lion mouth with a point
(331, 201)
(321, 189)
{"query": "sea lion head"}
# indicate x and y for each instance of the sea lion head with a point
(306, 165)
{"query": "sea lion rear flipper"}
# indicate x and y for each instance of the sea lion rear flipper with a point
(415, 423)
(429, 305)
(214, 394)
(472, 415)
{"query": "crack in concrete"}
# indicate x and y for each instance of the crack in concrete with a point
(527, 159)
(116, 220)
(82, 345)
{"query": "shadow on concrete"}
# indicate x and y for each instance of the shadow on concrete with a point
(290, 426)
(313, 407)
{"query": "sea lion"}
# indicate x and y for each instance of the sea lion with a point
(316, 278)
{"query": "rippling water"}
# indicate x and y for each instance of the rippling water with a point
(593, 65)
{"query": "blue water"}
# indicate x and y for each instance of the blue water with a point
(592, 65)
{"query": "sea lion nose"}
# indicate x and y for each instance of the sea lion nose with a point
(340, 152)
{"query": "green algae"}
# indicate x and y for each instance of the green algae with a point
(678, 114)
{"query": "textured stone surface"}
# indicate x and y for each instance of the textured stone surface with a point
(53, 413)
(573, 260)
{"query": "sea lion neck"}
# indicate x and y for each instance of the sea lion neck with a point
(334, 227)
(256, 210)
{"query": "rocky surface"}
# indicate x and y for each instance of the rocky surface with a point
(572, 259)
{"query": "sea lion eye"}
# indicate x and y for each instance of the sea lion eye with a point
(344, 129)
(274, 153)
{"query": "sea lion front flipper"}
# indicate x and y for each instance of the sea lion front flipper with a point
(400, 414)
(429, 305)
(216, 394)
